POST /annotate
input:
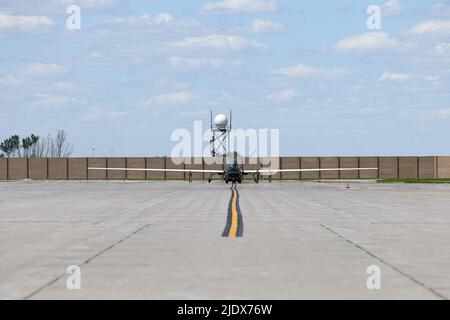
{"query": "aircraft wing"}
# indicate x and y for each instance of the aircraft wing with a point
(275, 171)
(158, 170)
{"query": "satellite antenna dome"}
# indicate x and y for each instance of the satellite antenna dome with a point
(221, 121)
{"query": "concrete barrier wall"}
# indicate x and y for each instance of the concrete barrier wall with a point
(177, 164)
(310, 163)
(329, 163)
(37, 169)
(443, 168)
(116, 163)
(97, 174)
(57, 169)
(77, 168)
(290, 163)
(17, 169)
(136, 163)
(3, 169)
(349, 162)
(408, 167)
(156, 163)
(388, 167)
(427, 168)
(195, 164)
(369, 162)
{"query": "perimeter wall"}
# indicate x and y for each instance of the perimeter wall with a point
(77, 168)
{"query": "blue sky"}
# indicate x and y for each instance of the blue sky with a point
(138, 70)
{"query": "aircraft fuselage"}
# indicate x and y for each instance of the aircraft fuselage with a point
(233, 174)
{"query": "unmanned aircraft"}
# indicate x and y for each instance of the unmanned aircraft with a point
(232, 172)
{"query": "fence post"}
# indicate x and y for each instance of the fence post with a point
(67, 169)
(165, 168)
(300, 167)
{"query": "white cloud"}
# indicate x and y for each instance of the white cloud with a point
(63, 86)
(8, 21)
(370, 41)
(432, 78)
(116, 114)
(283, 96)
(224, 42)
(434, 28)
(154, 21)
(43, 69)
(92, 3)
(196, 63)
(392, 8)
(93, 113)
(375, 110)
(9, 80)
(262, 26)
(98, 3)
(241, 6)
(302, 70)
(147, 20)
(392, 76)
(193, 113)
(433, 114)
(52, 101)
(163, 18)
(442, 48)
(440, 9)
(443, 113)
(171, 99)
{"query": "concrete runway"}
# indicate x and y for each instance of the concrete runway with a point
(161, 240)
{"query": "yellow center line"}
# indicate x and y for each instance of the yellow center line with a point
(234, 216)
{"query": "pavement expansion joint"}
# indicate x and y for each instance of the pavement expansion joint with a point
(396, 269)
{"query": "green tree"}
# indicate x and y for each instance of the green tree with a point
(15, 142)
(4, 146)
(28, 145)
(11, 145)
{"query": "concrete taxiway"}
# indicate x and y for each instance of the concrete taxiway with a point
(164, 240)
